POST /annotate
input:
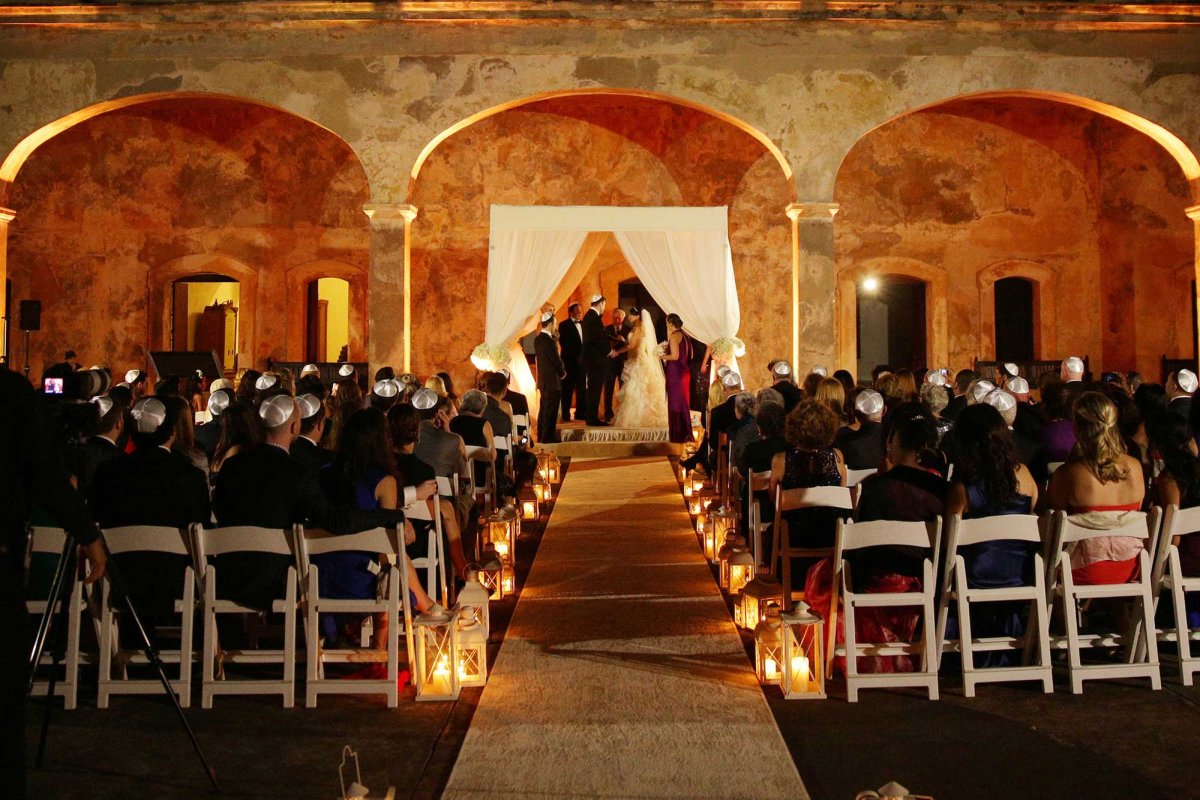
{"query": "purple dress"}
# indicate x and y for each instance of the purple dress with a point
(679, 401)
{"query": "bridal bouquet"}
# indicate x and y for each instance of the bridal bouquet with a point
(661, 350)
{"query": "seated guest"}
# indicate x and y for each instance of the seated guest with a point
(1029, 452)
(888, 385)
(518, 402)
(936, 397)
(363, 476)
(476, 431)
(990, 480)
(1099, 487)
(783, 381)
(848, 383)
(962, 381)
(385, 394)
(247, 386)
(1181, 386)
(209, 433)
(1072, 371)
(404, 429)
(241, 430)
(1178, 483)
(1151, 400)
(830, 392)
(444, 451)
(345, 399)
(863, 447)
(1129, 423)
(306, 448)
(185, 435)
(444, 386)
(1058, 434)
(151, 486)
(101, 447)
(758, 455)
(743, 430)
(500, 414)
(908, 385)
(809, 461)
(1028, 423)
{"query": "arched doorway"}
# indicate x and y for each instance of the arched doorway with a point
(204, 317)
(891, 324)
(601, 148)
(1014, 314)
(327, 333)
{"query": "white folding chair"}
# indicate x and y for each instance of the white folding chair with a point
(487, 491)
(145, 539)
(1052, 467)
(955, 587)
(520, 424)
(1061, 586)
(856, 476)
(385, 542)
(51, 541)
(504, 446)
(245, 539)
(836, 497)
(855, 536)
(1167, 576)
(434, 561)
(756, 525)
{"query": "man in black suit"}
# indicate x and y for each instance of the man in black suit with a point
(618, 334)
(208, 434)
(962, 381)
(596, 348)
(518, 402)
(783, 381)
(570, 339)
(151, 486)
(550, 375)
(85, 459)
(268, 488)
(306, 448)
(864, 448)
(1180, 386)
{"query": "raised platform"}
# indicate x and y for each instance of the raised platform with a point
(581, 441)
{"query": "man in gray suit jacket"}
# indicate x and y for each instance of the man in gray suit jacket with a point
(441, 449)
(550, 372)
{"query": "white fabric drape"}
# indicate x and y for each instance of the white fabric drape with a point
(689, 273)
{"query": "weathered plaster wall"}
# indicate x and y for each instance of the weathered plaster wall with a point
(592, 150)
(113, 210)
(980, 190)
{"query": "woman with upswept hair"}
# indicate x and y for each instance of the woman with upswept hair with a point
(1100, 486)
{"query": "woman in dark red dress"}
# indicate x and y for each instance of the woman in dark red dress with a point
(679, 379)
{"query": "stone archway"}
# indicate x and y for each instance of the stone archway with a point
(1045, 303)
(937, 347)
(161, 279)
(298, 279)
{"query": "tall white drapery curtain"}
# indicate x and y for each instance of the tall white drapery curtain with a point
(524, 267)
(689, 273)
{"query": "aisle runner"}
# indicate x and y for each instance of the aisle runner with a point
(621, 674)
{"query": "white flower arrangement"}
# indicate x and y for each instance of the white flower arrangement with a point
(725, 347)
(491, 357)
(661, 350)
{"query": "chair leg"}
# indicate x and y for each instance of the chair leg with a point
(928, 634)
(1039, 612)
(313, 649)
(71, 682)
(289, 645)
(1071, 618)
(965, 639)
(185, 641)
(106, 648)
(851, 650)
(208, 655)
(1147, 603)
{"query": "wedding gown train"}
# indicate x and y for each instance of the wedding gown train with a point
(642, 398)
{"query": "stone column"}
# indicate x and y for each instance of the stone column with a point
(1193, 213)
(7, 215)
(814, 286)
(388, 305)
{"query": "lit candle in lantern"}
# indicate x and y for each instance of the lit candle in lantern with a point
(507, 579)
(803, 660)
(436, 653)
(756, 596)
(767, 647)
(741, 570)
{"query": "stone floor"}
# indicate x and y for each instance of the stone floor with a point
(1117, 740)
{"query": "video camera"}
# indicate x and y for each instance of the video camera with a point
(68, 393)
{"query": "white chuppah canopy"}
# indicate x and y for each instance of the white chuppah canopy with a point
(681, 255)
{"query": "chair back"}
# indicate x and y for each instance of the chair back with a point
(1176, 522)
(883, 533)
(47, 540)
(149, 539)
(521, 423)
(1063, 532)
(758, 481)
(856, 476)
(1053, 466)
(480, 453)
(446, 486)
(965, 532)
(377, 540)
(420, 509)
(813, 497)
(243, 539)
(503, 443)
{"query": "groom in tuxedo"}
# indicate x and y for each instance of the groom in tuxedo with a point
(570, 339)
(550, 374)
(596, 347)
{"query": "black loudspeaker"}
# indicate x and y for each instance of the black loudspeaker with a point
(31, 315)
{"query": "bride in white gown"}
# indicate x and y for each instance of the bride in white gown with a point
(642, 398)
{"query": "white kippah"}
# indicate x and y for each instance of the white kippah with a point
(218, 401)
(868, 402)
(936, 377)
(277, 411)
(1187, 380)
(981, 389)
(723, 370)
(731, 380)
(132, 375)
(596, 298)
(1000, 400)
(386, 388)
(547, 317)
(221, 383)
(309, 405)
(782, 369)
(265, 382)
(424, 399)
(505, 372)
(820, 370)
(309, 369)
(1012, 369)
(104, 403)
(1074, 365)
(149, 414)
(1017, 385)
(346, 370)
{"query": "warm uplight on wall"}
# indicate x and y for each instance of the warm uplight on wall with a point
(870, 284)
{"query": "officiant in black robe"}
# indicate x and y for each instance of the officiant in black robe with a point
(596, 347)
(618, 335)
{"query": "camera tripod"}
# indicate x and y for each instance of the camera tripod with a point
(59, 598)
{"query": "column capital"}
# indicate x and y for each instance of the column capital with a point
(813, 210)
(1193, 212)
(7, 214)
(390, 215)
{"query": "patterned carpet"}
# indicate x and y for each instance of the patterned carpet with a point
(621, 675)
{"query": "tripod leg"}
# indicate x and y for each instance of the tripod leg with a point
(44, 625)
(63, 604)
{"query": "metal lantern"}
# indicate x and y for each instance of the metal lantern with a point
(697, 481)
(768, 647)
(757, 595)
(542, 488)
(489, 574)
(696, 505)
(508, 580)
(688, 491)
(435, 635)
(472, 648)
(509, 514)
(720, 522)
(803, 658)
(530, 509)
(500, 536)
(549, 467)
(741, 569)
(732, 543)
(892, 791)
(700, 525)
(473, 598)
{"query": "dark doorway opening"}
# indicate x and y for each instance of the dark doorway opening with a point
(1014, 319)
(891, 324)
